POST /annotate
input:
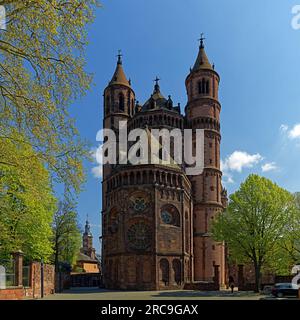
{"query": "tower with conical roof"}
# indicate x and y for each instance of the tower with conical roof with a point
(203, 112)
(119, 102)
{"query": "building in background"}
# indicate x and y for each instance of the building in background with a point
(87, 259)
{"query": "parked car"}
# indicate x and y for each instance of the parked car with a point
(285, 289)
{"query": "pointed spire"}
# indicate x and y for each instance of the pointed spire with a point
(156, 86)
(87, 229)
(202, 61)
(119, 76)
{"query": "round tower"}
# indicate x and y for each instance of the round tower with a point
(203, 112)
(119, 103)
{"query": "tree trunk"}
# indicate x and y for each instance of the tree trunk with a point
(257, 268)
(56, 262)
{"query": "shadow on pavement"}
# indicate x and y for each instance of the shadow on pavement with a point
(83, 290)
(223, 294)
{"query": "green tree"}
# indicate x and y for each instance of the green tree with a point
(292, 245)
(66, 234)
(259, 219)
(42, 70)
(27, 203)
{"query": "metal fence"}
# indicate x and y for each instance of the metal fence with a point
(9, 272)
(26, 276)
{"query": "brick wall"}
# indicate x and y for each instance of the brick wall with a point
(202, 286)
(86, 280)
(35, 280)
(34, 291)
(62, 281)
(11, 294)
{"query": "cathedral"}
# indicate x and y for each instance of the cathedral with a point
(155, 218)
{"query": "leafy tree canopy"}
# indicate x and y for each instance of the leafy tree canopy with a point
(257, 223)
(41, 72)
(27, 204)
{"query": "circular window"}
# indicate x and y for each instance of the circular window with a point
(139, 236)
(139, 205)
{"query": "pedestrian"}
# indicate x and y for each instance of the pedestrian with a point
(231, 283)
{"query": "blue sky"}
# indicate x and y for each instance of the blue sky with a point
(256, 52)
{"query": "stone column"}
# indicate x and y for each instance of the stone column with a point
(18, 259)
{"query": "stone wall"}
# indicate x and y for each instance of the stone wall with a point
(35, 280)
(34, 290)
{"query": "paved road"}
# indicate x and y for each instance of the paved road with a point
(101, 294)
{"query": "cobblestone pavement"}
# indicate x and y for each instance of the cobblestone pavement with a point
(102, 294)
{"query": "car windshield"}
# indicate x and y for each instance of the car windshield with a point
(283, 285)
(286, 286)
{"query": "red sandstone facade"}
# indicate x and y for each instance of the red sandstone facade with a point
(156, 219)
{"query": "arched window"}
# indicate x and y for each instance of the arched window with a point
(164, 271)
(200, 87)
(207, 87)
(177, 270)
(107, 105)
(203, 86)
(169, 215)
(121, 102)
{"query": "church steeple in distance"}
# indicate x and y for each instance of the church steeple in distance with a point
(87, 228)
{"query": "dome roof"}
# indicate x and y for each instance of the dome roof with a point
(158, 101)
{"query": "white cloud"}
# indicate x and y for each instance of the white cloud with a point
(284, 128)
(269, 167)
(97, 171)
(239, 160)
(292, 133)
(96, 155)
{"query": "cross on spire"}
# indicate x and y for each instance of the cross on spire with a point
(119, 55)
(156, 80)
(156, 86)
(202, 40)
